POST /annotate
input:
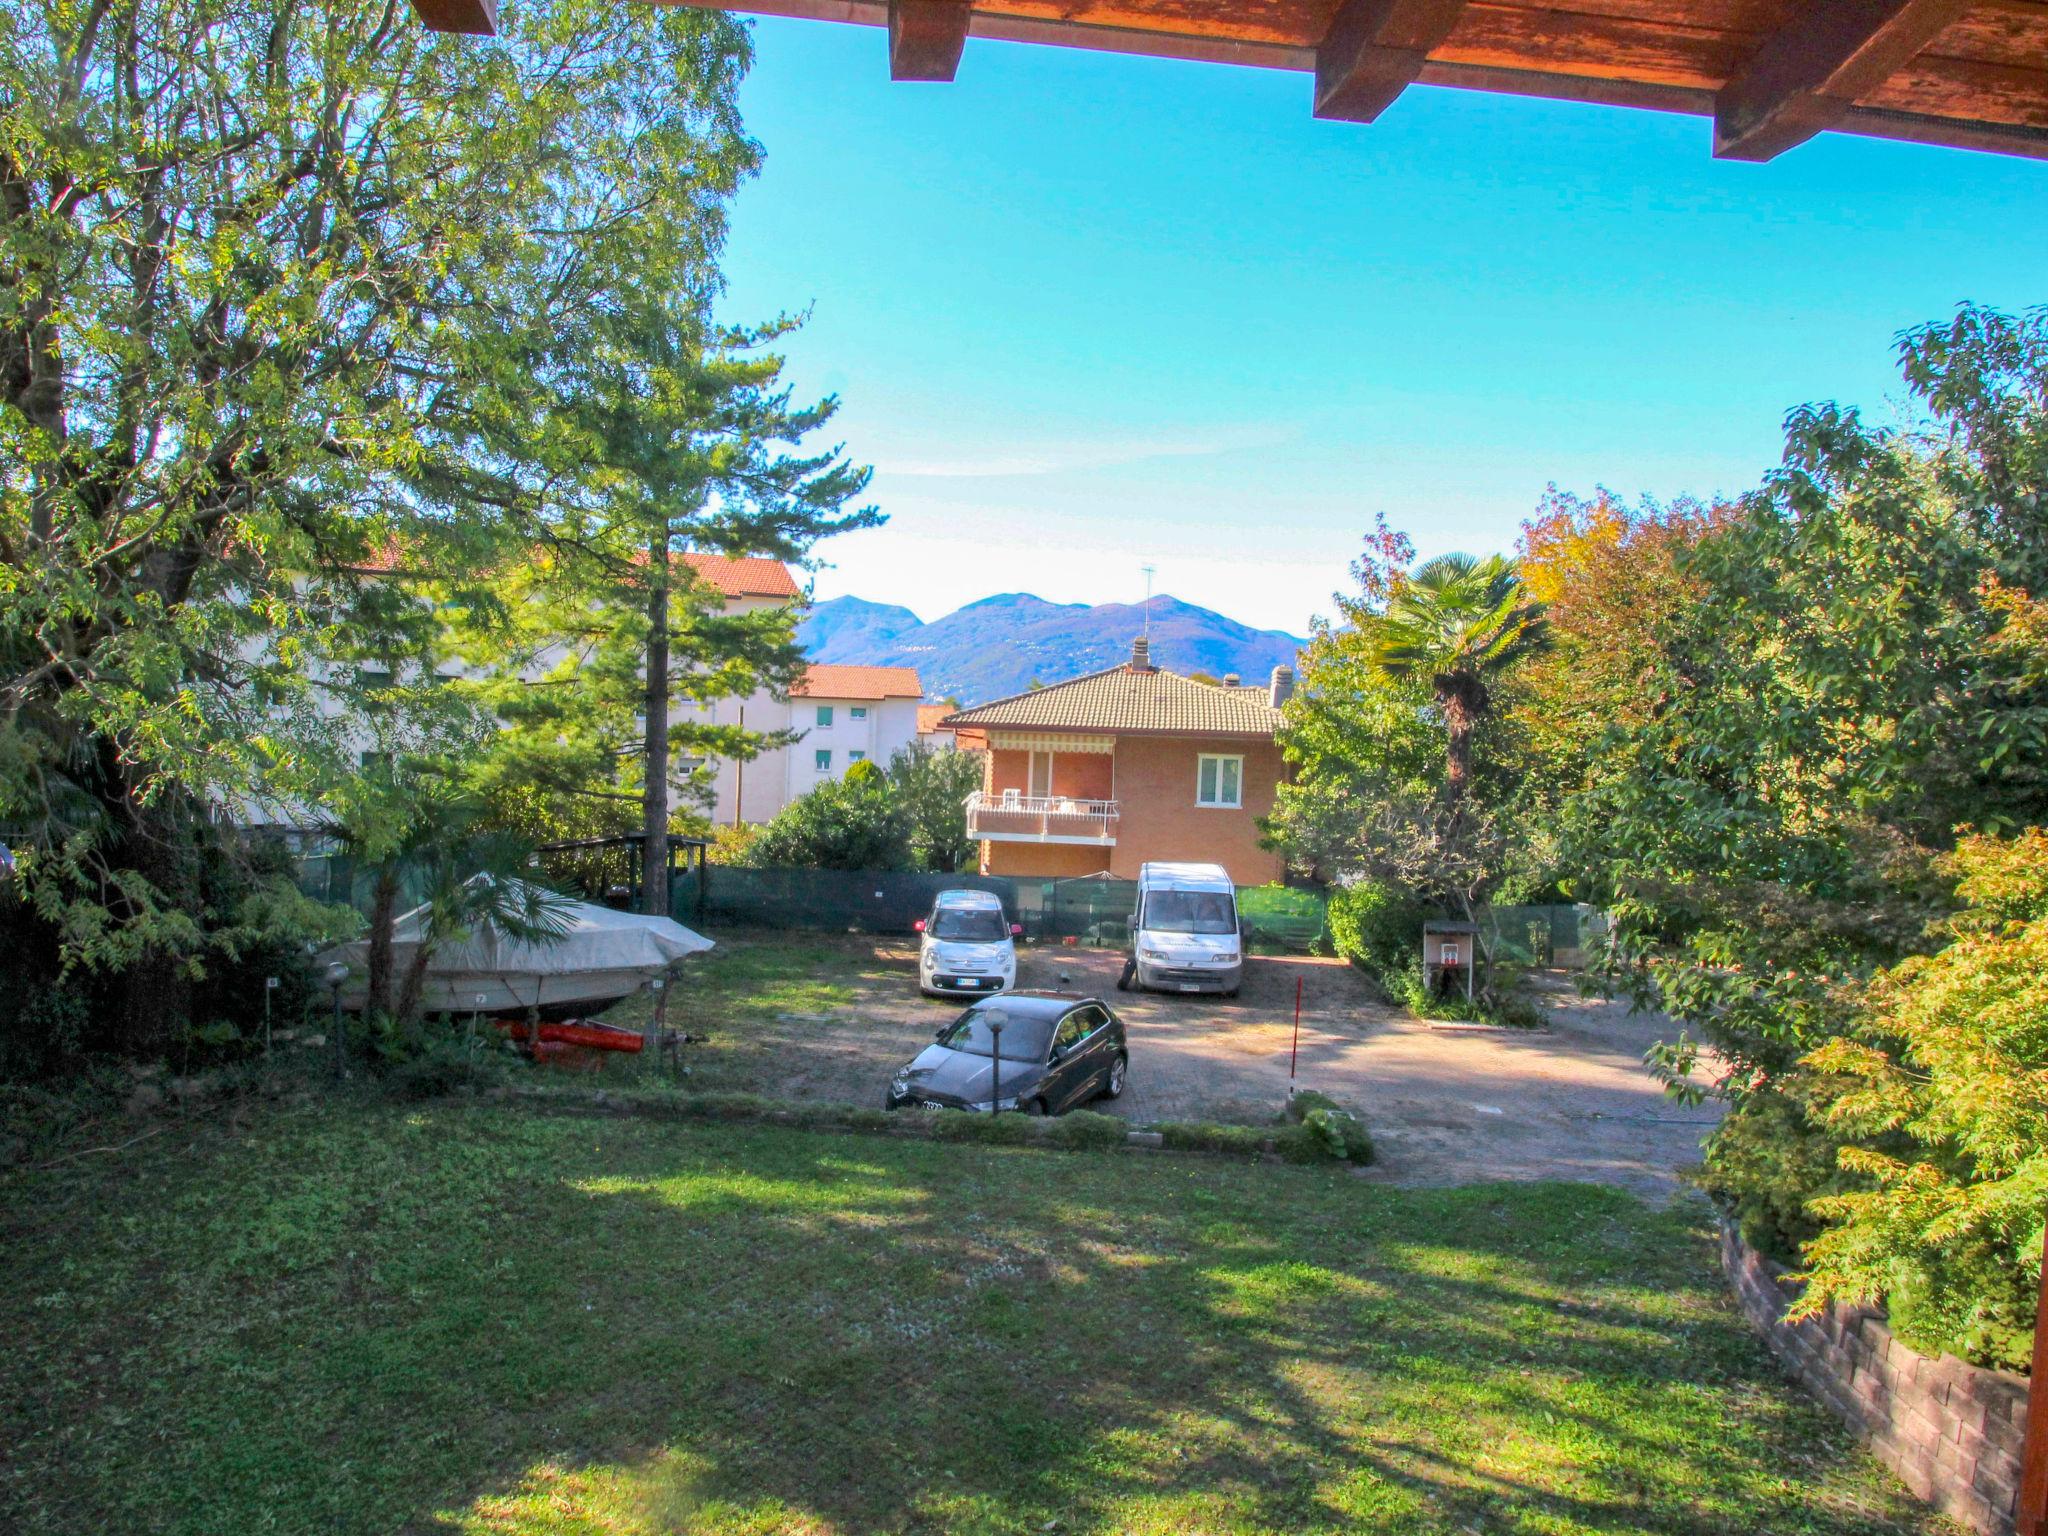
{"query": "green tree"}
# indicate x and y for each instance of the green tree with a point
(932, 786)
(1844, 692)
(1460, 623)
(850, 823)
(673, 435)
(1386, 787)
(1609, 578)
(285, 288)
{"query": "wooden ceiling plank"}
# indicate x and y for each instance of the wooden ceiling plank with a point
(1373, 51)
(474, 18)
(1569, 42)
(925, 38)
(1809, 73)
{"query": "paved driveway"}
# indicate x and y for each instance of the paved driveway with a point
(1446, 1105)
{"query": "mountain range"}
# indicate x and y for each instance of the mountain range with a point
(1001, 645)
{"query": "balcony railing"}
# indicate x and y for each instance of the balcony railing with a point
(1009, 817)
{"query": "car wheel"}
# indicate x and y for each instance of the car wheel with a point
(1114, 1088)
(1123, 982)
(1036, 1108)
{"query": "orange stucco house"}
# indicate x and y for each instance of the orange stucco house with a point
(1103, 773)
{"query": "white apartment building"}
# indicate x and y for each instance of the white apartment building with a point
(844, 715)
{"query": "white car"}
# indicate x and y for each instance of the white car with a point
(969, 948)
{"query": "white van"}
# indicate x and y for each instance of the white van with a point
(1185, 935)
(968, 948)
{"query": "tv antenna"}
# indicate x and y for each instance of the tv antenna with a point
(1150, 571)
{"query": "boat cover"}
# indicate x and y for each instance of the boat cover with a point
(626, 949)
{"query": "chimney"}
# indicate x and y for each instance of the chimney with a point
(1283, 685)
(1231, 680)
(1141, 655)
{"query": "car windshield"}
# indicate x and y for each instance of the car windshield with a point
(1026, 1036)
(1189, 912)
(977, 925)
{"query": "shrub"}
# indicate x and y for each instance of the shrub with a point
(1200, 1136)
(1335, 1130)
(932, 786)
(853, 823)
(436, 1062)
(1941, 1095)
(999, 1130)
(1084, 1128)
(1765, 1162)
(732, 844)
(1378, 929)
(1312, 1129)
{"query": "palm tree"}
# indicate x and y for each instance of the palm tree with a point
(1462, 622)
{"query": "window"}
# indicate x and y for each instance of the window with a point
(373, 674)
(1041, 774)
(857, 712)
(1219, 781)
(373, 759)
(824, 714)
(856, 756)
(1078, 1026)
(968, 925)
(824, 759)
(1188, 912)
(1070, 1032)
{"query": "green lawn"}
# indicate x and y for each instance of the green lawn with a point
(762, 1003)
(349, 1318)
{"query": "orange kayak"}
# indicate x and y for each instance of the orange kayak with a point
(597, 1037)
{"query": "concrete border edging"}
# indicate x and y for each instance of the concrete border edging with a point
(1950, 1430)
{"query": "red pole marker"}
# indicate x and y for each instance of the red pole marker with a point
(1295, 1055)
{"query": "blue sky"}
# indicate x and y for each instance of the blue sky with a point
(1087, 312)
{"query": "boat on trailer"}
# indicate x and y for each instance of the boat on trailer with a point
(598, 957)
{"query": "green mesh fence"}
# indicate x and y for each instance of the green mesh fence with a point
(1094, 912)
(1091, 911)
(1284, 917)
(845, 901)
(1540, 935)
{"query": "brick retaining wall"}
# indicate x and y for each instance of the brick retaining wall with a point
(1950, 1430)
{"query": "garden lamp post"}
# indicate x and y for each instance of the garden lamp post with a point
(337, 973)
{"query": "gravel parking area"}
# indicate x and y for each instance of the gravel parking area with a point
(829, 1017)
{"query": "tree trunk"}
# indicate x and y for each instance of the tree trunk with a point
(654, 797)
(414, 985)
(383, 910)
(1462, 698)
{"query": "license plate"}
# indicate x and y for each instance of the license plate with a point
(1189, 986)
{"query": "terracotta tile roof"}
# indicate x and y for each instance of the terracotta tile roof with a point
(748, 576)
(823, 681)
(1124, 701)
(929, 716)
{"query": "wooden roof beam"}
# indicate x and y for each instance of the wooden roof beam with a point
(925, 38)
(1809, 74)
(477, 18)
(1372, 52)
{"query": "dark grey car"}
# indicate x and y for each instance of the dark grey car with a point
(1058, 1051)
